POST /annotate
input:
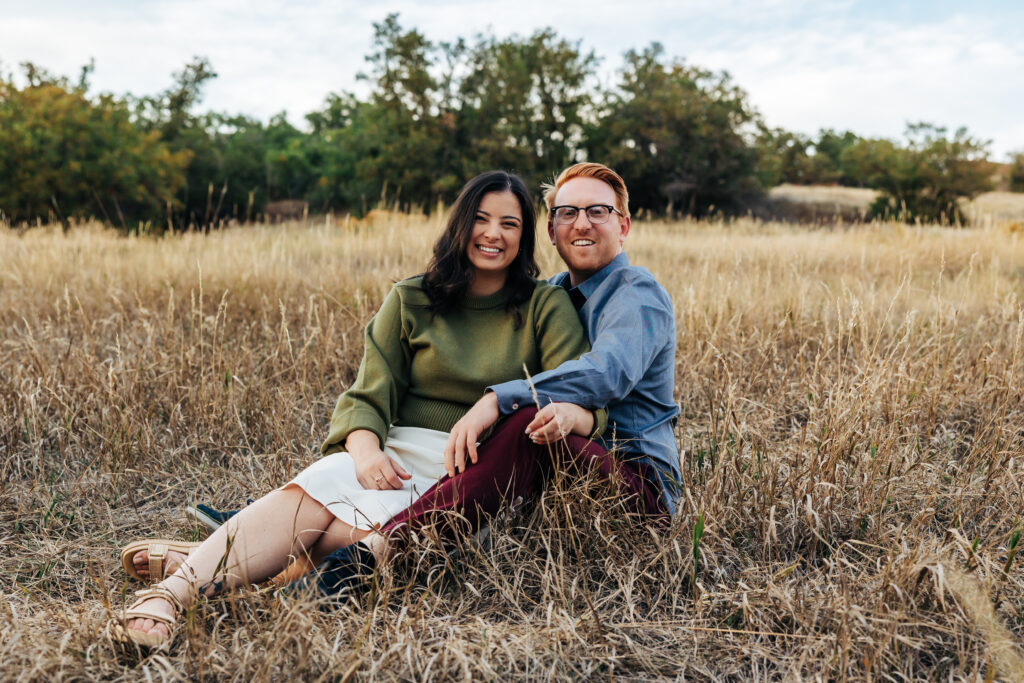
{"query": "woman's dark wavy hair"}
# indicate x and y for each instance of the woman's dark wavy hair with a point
(447, 278)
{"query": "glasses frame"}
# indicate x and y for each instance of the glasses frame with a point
(584, 209)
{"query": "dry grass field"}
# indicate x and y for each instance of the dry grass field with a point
(852, 438)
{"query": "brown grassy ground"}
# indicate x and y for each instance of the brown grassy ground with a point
(852, 438)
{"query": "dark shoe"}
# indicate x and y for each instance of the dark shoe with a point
(344, 573)
(206, 516)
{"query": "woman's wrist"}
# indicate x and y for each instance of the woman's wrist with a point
(362, 442)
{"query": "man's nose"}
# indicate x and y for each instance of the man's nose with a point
(586, 219)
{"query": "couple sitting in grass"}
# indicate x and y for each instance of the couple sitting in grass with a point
(477, 383)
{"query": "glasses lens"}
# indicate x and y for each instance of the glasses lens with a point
(565, 214)
(597, 214)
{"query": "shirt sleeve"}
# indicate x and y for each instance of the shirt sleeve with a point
(631, 329)
(561, 338)
(373, 399)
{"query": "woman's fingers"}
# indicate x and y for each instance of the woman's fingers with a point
(402, 472)
(460, 452)
(449, 452)
(471, 445)
(391, 478)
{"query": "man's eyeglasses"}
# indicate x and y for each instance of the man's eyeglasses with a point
(596, 213)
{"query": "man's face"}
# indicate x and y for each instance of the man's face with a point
(587, 248)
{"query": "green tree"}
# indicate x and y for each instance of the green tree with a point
(65, 155)
(676, 133)
(401, 140)
(828, 151)
(927, 177)
(523, 102)
(439, 114)
(784, 157)
(339, 140)
(1017, 172)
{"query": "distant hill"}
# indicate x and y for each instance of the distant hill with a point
(815, 203)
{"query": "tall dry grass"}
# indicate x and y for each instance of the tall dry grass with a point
(851, 434)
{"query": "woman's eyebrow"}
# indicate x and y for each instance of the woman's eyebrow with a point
(514, 218)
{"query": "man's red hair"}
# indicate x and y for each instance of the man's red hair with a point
(591, 170)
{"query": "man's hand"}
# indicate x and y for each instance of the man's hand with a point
(556, 421)
(466, 431)
(374, 469)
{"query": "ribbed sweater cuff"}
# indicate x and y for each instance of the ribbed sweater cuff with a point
(351, 421)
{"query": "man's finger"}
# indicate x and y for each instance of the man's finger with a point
(546, 433)
(542, 417)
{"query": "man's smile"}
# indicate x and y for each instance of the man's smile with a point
(582, 243)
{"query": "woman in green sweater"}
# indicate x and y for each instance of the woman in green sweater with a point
(477, 317)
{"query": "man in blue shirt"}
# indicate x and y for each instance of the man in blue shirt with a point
(629, 319)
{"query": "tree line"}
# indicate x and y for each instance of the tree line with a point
(687, 139)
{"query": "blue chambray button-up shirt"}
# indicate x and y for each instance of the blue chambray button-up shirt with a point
(630, 368)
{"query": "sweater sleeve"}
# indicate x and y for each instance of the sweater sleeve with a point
(561, 338)
(373, 399)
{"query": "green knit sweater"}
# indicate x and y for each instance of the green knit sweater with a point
(427, 371)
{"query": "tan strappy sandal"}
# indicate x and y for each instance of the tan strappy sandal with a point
(122, 633)
(157, 549)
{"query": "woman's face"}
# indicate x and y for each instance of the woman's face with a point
(497, 229)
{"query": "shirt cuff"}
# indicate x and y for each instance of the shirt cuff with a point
(512, 396)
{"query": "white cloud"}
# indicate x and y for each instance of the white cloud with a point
(806, 65)
(875, 78)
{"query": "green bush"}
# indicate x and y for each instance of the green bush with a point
(1017, 172)
(926, 178)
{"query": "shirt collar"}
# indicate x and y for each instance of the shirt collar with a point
(588, 286)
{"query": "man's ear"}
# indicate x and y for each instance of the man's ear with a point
(623, 230)
(551, 231)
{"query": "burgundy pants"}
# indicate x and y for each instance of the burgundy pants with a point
(511, 465)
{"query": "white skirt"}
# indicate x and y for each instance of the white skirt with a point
(332, 482)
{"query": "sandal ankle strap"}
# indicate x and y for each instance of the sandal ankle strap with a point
(160, 592)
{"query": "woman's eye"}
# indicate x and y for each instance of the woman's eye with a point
(481, 219)
(510, 224)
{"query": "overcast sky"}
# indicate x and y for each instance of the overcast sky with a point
(865, 65)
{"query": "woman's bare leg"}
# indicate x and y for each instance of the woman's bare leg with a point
(251, 547)
(337, 535)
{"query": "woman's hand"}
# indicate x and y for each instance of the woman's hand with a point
(556, 421)
(374, 469)
(464, 434)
